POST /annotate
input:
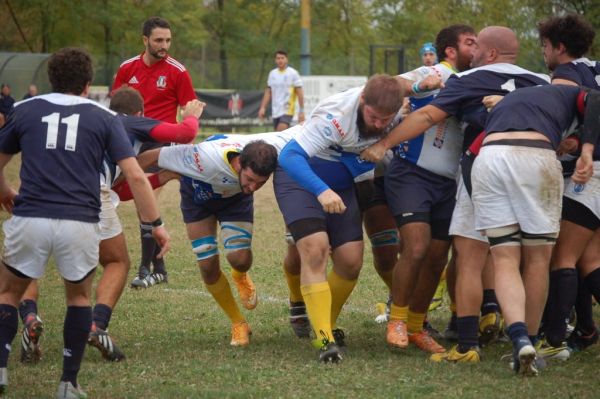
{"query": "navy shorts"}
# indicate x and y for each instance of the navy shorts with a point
(418, 195)
(297, 204)
(239, 208)
(370, 193)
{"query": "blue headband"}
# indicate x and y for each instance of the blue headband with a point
(427, 48)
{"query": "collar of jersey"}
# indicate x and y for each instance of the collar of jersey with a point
(447, 64)
(226, 158)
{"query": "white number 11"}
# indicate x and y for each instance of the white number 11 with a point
(72, 123)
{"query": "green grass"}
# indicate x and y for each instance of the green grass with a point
(177, 340)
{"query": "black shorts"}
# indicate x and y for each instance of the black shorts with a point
(581, 215)
(370, 193)
(298, 205)
(417, 195)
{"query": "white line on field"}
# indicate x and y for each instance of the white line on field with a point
(264, 298)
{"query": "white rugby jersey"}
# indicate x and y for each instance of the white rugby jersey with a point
(283, 91)
(207, 162)
(439, 148)
(331, 132)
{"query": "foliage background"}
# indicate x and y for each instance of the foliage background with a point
(230, 43)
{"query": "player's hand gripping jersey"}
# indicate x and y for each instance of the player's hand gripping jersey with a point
(324, 152)
(439, 148)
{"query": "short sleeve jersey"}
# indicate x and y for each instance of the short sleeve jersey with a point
(283, 91)
(63, 139)
(548, 109)
(463, 94)
(207, 166)
(163, 85)
(438, 149)
(332, 133)
(581, 71)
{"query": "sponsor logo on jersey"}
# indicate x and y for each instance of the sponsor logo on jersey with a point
(133, 81)
(338, 127)
(327, 131)
(578, 188)
(329, 117)
(197, 161)
(161, 82)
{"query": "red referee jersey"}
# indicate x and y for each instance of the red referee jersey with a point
(164, 85)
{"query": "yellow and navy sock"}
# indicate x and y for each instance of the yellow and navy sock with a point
(415, 321)
(293, 282)
(78, 323)
(468, 332)
(101, 315)
(221, 291)
(340, 291)
(399, 313)
(236, 274)
(8, 329)
(317, 298)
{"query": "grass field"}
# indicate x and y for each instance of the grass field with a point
(177, 340)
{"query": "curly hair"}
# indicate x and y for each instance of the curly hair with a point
(70, 70)
(572, 30)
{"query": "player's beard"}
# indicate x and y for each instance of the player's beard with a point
(463, 62)
(366, 132)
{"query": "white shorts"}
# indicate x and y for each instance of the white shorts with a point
(587, 194)
(517, 185)
(463, 217)
(110, 225)
(29, 243)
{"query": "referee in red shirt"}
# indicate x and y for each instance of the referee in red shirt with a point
(165, 84)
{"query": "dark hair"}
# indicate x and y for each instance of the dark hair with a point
(70, 70)
(572, 30)
(260, 157)
(384, 93)
(282, 52)
(127, 100)
(154, 22)
(448, 37)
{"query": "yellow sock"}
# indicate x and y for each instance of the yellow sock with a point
(399, 312)
(236, 274)
(221, 291)
(386, 276)
(293, 282)
(415, 321)
(317, 298)
(340, 291)
(452, 307)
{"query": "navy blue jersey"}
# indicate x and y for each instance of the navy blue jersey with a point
(63, 139)
(138, 130)
(581, 71)
(463, 93)
(549, 109)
